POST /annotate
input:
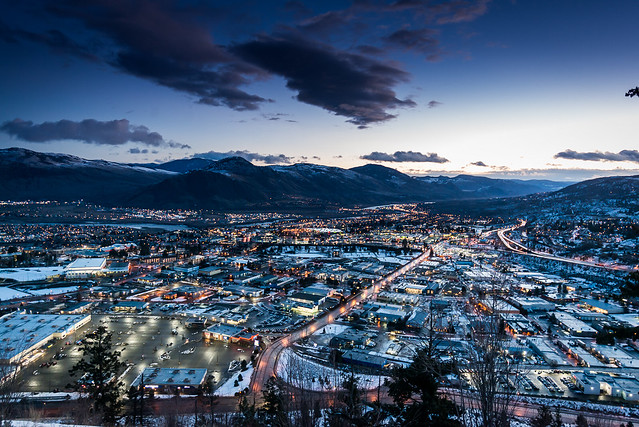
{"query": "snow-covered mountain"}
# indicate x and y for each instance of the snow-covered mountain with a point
(231, 183)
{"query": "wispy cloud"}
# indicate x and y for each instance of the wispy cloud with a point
(404, 156)
(89, 131)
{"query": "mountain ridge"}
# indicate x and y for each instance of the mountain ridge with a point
(232, 183)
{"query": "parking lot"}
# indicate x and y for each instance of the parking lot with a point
(143, 341)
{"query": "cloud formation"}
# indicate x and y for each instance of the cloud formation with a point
(214, 51)
(345, 84)
(598, 156)
(422, 40)
(404, 156)
(164, 43)
(480, 164)
(271, 159)
(89, 131)
(434, 104)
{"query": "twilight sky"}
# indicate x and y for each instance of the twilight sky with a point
(515, 88)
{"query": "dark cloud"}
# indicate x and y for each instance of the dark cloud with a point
(167, 45)
(54, 39)
(276, 116)
(138, 151)
(404, 156)
(480, 164)
(422, 40)
(325, 22)
(272, 159)
(459, 10)
(598, 156)
(345, 84)
(89, 131)
(434, 104)
(172, 44)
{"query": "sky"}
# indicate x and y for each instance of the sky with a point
(510, 88)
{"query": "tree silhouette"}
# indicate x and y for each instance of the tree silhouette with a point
(100, 366)
(633, 92)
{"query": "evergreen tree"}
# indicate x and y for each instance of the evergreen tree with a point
(246, 414)
(275, 402)
(581, 421)
(556, 422)
(544, 417)
(208, 389)
(100, 366)
(415, 392)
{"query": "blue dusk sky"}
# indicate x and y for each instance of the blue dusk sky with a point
(525, 88)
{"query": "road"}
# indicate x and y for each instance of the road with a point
(267, 362)
(517, 247)
(529, 410)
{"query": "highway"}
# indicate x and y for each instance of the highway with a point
(517, 247)
(267, 362)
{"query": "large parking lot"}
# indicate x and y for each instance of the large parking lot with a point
(142, 340)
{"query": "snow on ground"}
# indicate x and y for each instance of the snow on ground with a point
(304, 373)
(30, 274)
(53, 291)
(29, 423)
(332, 329)
(227, 388)
(8, 293)
(306, 255)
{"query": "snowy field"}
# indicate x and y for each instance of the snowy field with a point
(53, 291)
(8, 293)
(227, 388)
(30, 274)
(304, 373)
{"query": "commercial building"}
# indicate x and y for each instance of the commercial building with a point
(130, 306)
(82, 268)
(574, 326)
(351, 338)
(21, 334)
(234, 334)
(170, 380)
(365, 360)
(594, 383)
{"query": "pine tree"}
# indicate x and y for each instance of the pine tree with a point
(556, 422)
(208, 389)
(275, 402)
(544, 417)
(100, 366)
(415, 392)
(581, 421)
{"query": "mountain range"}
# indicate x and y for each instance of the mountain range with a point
(236, 184)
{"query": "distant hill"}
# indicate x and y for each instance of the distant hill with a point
(482, 187)
(233, 183)
(612, 196)
(29, 175)
(612, 187)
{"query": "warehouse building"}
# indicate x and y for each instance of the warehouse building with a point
(21, 334)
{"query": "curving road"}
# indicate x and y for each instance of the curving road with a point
(517, 247)
(267, 361)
